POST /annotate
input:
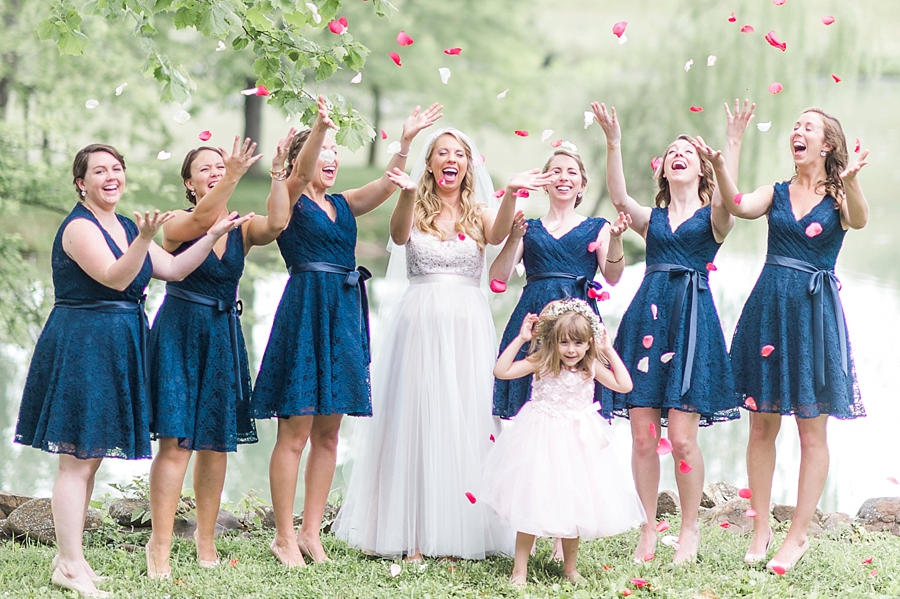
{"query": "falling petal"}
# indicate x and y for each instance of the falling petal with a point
(452, 51)
(652, 428)
(356, 78)
(461, 237)
(588, 118)
(337, 27)
(775, 88)
(623, 39)
(779, 570)
(778, 2)
(619, 28)
(521, 133)
(710, 60)
(492, 436)
(745, 493)
(91, 104)
(204, 135)
(477, 161)
(773, 41)
(181, 117)
(163, 155)
(711, 267)
(522, 193)
(764, 126)
(666, 357)
(893, 480)
(249, 91)
(827, 20)
(654, 310)
(639, 582)
(395, 570)
(655, 163)
(751, 513)
(688, 65)
(520, 269)
(441, 182)
(221, 47)
(502, 94)
(445, 74)
(766, 350)
(664, 446)
(747, 29)
(732, 18)
(647, 341)
(836, 78)
(498, 286)
(395, 57)
(868, 560)
(120, 89)
(813, 229)
(328, 156)
(315, 12)
(684, 467)
(393, 147)
(750, 403)
(262, 90)
(499, 193)
(556, 144)
(567, 145)
(738, 197)
(696, 109)
(470, 497)
(728, 525)
(403, 39)
(383, 134)
(603, 296)
(592, 246)
(545, 134)
(662, 526)
(857, 148)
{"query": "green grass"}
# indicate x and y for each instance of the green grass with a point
(832, 568)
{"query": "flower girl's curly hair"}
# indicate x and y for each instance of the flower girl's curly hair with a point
(569, 319)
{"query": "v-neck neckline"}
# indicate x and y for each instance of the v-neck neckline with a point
(811, 210)
(108, 235)
(563, 236)
(325, 212)
(669, 221)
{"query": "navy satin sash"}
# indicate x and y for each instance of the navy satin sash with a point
(818, 280)
(697, 281)
(582, 284)
(234, 310)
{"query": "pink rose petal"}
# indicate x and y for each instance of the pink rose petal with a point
(857, 148)
(684, 467)
(204, 135)
(639, 582)
(261, 90)
(745, 493)
(893, 480)
(778, 2)
(725, 524)
(647, 341)
(556, 144)
(767, 350)
(461, 237)
(774, 42)
(711, 267)
(873, 573)
(732, 18)
(337, 27)
(522, 193)
(664, 446)
(813, 229)
(655, 163)
(775, 88)
(619, 28)
(492, 436)
(521, 133)
(602, 296)
(696, 109)
(607, 567)
(592, 246)
(737, 198)
(747, 29)
(452, 51)
(868, 560)
(750, 403)
(403, 39)
(779, 570)
(497, 286)
(662, 526)
(625, 592)
(395, 57)
(343, 21)
(836, 78)
(827, 20)
(652, 428)
(441, 182)
(470, 497)
(751, 513)
(499, 193)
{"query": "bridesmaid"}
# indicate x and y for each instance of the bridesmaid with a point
(316, 365)
(561, 252)
(200, 378)
(85, 395)
(791, 351)
(670, 336)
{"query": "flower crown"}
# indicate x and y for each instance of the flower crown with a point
(556, 309)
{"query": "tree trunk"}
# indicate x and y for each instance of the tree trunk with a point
(376, 122)
(253, 121)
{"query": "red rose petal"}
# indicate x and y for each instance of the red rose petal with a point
(836, 78)
(261, 90)
(452, 51)
(592, 246)
(655, 163)
(647, 342)
(664, 446)
(556, 144)
(745, 493)
(732, 18)
(778, 570)
(461, 237)
(521, 133)
(751, 513)
(625, 592)
(775, 88)
(710, 266)
(662, 526)
(639, 582)
(204, 135)
(696, 109)
(684, 467)
(619, 28)
(750, 403)
(233, 562)
(522, 193)
(857, 148)
(403, 39)
(648, 557)
(738, 197)
(497, 286)
(868, 560)
(747, 29)
(395, 57)
(813, 229)
(337, 27)
(499, 193)
(827, 20)
(607, 567)
(492, 436)
(383, 134)
(470, 497)
(603, 296)
(767, 350)
(343, 21)
(725, 524)
(774, 42)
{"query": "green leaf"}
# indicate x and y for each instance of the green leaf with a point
(186, 17)
(214, 21)
(350, 136)
(296, 18)
(72, 42)
(239, 43)
(382, 7)
(356, 56)
(266, 67)
(260, 21)
(328, 10)
(325, 68)
(339, 52)
(46, 30)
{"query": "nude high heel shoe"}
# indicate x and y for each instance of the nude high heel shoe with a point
(202, 562)
(61, 580)
(782, 568)
(751, 559)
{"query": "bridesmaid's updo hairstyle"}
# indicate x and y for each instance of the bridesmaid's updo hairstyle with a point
(707, 182)
(294, 150)
(580, 164)
(836, 159)
(186, 169)
(80, 164)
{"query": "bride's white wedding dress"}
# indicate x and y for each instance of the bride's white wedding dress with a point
(417, 464)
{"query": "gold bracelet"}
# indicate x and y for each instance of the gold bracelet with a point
(279, 175)
(619, 259)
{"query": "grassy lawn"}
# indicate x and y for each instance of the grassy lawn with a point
(833, 568)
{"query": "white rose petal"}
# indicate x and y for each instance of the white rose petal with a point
(181, 117)
(622, 39)
(163, 155)
(287, 119)
(711, 60)
(221, 47)
(327, 156)
(644, 364)
(520, 269)
(445, 74)
(666, 357)
(315, 12)
(502, 94)
(393, 147)
(588, 118)
(688, 65)
(764, 126)
(546, 134)
(395, 570)
(91, 104)
(567, 145)
(356, 78)
(120, 89)
(653, 310)
(250, 91)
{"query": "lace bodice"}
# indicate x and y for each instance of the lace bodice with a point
(426, 255)
(566, 395)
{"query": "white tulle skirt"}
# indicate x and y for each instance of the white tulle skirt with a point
(417, 464)
(554, 476)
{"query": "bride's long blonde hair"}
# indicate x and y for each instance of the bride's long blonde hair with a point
(428, 203)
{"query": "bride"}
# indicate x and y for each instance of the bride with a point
(417, 466)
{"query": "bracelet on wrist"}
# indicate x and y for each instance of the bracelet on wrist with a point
(279, 175)
(402, 155)
(617, 260)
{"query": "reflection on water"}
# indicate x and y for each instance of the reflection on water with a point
(863, 453)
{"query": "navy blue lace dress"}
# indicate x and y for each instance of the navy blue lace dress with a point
(197, 355)
(543, 254)
(85, 393)
(671, 366)
(796, 289)
(317, 358)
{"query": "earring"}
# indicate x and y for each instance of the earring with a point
(83, 193)
(193, 193)
(579, 196)
(823, 153)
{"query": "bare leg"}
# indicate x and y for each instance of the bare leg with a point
(166, 481)
(557, 554)
(760, 470)
(683, 428)
(814, 461)
(519, 575)
(570, 560)
(284, 465)
(318, 477)
(73, 480)
(209, 478)
(645, 469)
